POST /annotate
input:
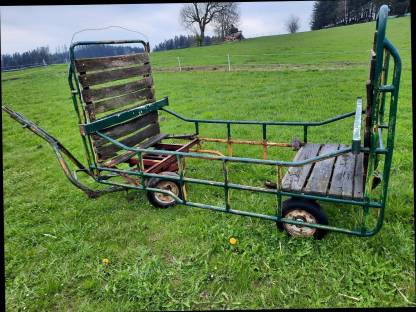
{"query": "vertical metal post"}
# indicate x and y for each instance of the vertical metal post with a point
(196, 128)
(226, 189)
(181, 169)
(364, 219)
(229, 144)
(279, 187)
(229, 63)
(141, 168)
(179, 63)
(264, 141)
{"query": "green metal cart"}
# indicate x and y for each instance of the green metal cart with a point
(119, 125)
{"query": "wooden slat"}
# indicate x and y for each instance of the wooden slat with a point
(359, 176)
(296, 176)
(120, 130)
(343, 177)
(109, 150)
(91, 79)
(121, 101)
(171, 159)
(124, 157)
(93, 95)
(321, 172)
(100, 63)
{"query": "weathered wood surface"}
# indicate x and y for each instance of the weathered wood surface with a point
(93, 95)
(342, 181)
(123, 100)
(295, 178)
(340, 176)
(101, 63)
(321, 172)
(92, 79)
(120, 130)
(359, 176)
(124, 157)
(171, 159)
(110, 149)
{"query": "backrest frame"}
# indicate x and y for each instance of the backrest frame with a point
(90, 102)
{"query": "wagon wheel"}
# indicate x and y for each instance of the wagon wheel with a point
(306, 211)
(161, 200)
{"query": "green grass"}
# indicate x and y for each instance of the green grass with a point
(180, 258)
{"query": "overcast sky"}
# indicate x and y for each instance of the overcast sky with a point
(27, 27)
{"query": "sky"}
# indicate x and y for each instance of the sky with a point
(27, 27)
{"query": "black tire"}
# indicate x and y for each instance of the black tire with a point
(307, 211)
(160, 200)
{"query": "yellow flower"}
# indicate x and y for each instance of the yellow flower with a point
(233, 241)
(106, 261)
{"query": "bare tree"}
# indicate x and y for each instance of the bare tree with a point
(227, 19)
(200, 14)
(292, 24)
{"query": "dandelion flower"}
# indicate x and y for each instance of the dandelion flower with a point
(106, 261)
(233, 241)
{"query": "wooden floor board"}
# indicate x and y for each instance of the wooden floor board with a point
(295, 178)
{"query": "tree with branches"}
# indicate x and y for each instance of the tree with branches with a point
(292, 24)
(200, 14)
(226, 20)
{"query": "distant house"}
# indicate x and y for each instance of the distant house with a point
(234, 34)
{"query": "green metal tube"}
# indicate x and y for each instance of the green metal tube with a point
(232, 159)
(251, 122)
(245, 187)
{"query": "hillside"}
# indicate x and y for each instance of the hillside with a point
(340, 44)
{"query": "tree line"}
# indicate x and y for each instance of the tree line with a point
(344, 12)
(43, 56)
(180, 42)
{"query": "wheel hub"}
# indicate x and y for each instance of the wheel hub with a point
(168, 186)
(299, 230)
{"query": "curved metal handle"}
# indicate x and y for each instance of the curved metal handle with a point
(107, 27)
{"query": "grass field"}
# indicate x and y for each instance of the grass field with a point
(180, 258)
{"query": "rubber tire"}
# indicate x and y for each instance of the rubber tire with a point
(151, 196)
(309, 206)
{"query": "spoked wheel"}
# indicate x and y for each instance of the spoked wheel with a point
(305, 211)
(161, 200)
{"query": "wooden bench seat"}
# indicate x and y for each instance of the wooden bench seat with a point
(340, 176)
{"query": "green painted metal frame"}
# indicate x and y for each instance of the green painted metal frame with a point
(377, 149)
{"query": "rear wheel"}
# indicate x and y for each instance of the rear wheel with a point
(305, 211)
(161, 200)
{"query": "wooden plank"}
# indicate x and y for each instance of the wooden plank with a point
(359, 176)
(100, 63)
(343, 177)
(171, 159)
(126, 156)
(295, 177)
(124, 100)
(318, 181)
(93, 95)
(91, 79)
(120, 130)
(110, 149)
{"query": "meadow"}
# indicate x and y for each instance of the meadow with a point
(180, 258)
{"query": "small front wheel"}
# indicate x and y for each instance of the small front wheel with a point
(161, 200)
(305, 211)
